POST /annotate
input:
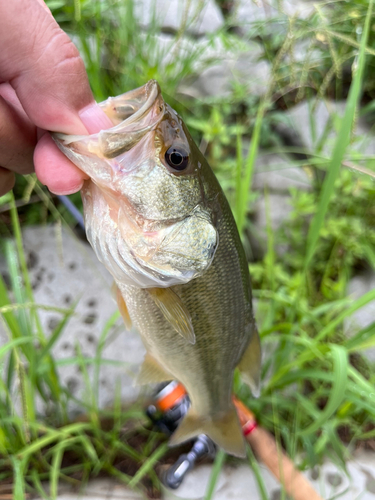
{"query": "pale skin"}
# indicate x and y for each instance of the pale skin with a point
(43, 87)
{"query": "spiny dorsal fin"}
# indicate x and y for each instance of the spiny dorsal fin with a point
(174, 311)
(250, 363)
(152, 372)
(121, 305)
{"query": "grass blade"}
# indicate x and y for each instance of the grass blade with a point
(357, 304)
(341, 144)
(340, 379)
(216, 469)
(22, 261)
(38, 485)
(239, 161)
(249, 167)
(148, 465)
(257, 473)
(19, 482)
(55, 335)
(55, 470)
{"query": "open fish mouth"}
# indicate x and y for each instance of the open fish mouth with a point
(134, 105)
(133, 114)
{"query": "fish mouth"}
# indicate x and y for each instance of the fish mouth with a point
(133, 114)
(133, 106)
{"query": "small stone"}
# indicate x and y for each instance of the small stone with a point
(53, 323)
(89, 319)
(276, 495)
(38, 278)
(32, 260)
(6, 278)
(67, 299)
(334, 479)
(315, 473)
(72, 384)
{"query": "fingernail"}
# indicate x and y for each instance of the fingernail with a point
(67, 191)
(94, 118)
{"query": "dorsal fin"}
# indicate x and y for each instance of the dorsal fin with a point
(174, 311)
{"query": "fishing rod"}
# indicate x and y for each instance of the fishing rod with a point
(169, 407)
(74, 211)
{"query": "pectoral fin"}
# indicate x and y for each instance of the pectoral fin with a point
(122, 306)
(224, 431)
(174, 311)
(151, 372)
(250, 363)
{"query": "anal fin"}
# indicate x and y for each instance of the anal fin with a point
(250, 363)
(174, 311)
(225, 431)
(152, 372)
(122, 306)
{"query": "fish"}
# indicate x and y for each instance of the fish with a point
(158, 220)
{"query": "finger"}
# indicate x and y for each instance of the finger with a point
(17, 142)
(9, 94)
(55, 170)
(43, 66)
(94, 118)
(7, 180)
(17, 138)
(48, 75)
(44, 6)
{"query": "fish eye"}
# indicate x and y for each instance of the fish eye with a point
(177, 158)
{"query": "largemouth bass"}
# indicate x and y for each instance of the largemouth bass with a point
(158, 220)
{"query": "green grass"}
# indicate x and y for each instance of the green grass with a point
(318, 390)
(33, 449)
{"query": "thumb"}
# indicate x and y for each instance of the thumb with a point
(46, 71)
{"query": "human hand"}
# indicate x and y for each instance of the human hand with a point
(43, 86)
